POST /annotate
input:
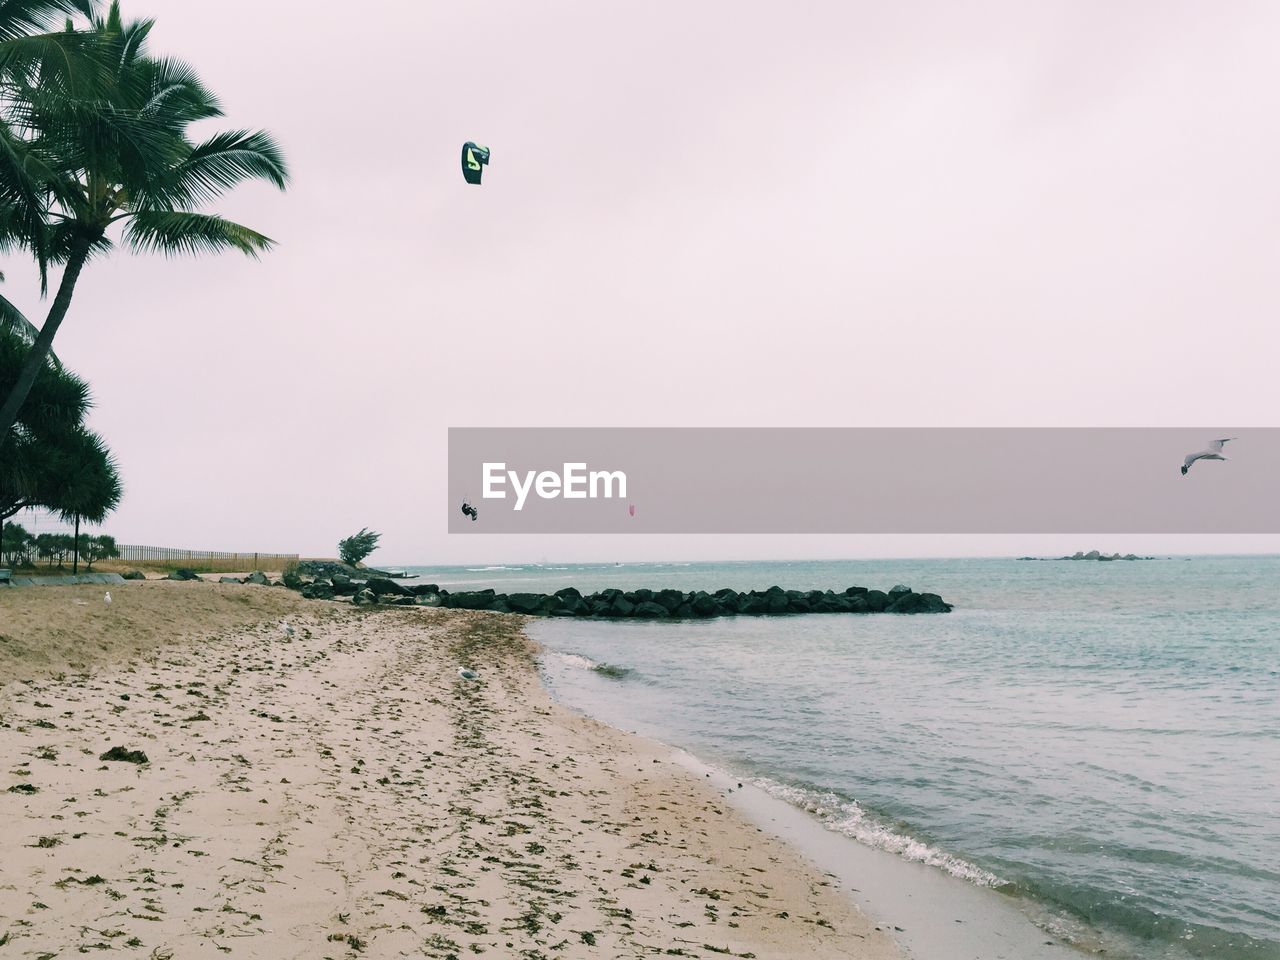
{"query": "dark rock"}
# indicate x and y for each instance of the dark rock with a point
(621, 607)
(899, 588)
(423, 589)
(572, 606)
(230, 580)
(670, 600)
(364, 597)
(318, 590)
(564, 593)
(429, 600)
(345, 587)
(703, 604)
(133, 575)
(919, 603)
(470, 600)
(325, 569)
(292, 580)
(525, 602)
(183, 574)
(121, 755)
(877, 600)
(383, 587)
(649, 610)
(258, 578)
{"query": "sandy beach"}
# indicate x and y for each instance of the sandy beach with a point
(345, 792)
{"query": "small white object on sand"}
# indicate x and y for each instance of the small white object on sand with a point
(466, 674)
(107, 598)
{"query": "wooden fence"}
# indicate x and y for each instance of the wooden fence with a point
(225, 561)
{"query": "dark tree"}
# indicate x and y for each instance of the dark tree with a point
(358, 546)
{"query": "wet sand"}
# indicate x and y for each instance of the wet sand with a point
(344, 792)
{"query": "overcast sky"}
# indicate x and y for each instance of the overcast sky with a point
(713, 214)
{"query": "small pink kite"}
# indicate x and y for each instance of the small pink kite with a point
(632, 510)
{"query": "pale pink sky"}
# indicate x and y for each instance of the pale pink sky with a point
(718, 214)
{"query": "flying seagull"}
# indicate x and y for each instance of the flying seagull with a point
(1212, 452)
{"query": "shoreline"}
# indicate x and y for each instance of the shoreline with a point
(931, 913)
(344, 792)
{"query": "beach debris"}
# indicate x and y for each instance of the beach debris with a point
(466, 674)
(107, 598)
(469, 511)
(474, 160)
(1211, 452)
(121, 755)
(631, 510)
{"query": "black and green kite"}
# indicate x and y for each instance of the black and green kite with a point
(474, 159)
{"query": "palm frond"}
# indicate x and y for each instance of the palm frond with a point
(21, 17)
(218, 165)
(175, 232)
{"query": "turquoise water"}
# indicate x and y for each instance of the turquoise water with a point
(1102, 739)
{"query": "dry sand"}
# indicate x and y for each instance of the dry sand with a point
(345, 793)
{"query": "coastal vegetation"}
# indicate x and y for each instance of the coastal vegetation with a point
(356, 547)
(20, 548)
(95, 152)
(50, 459)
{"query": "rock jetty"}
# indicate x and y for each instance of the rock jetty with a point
(368, 589)
(628, 604)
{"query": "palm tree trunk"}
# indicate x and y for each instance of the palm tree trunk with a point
(75, 564)
(39, 352)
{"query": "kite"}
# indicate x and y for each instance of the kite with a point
(474, 159)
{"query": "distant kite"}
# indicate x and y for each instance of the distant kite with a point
(474, 159)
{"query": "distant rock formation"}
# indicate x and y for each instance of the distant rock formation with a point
(1092, 555)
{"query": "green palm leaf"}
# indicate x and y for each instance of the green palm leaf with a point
(175, 232)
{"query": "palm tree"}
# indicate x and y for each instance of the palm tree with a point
(120, 162)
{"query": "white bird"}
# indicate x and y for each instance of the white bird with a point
(1212, 452)
(107, 598)
(288, 630)
(466, 674)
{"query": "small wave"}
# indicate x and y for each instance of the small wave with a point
(490, 569)
(612, 671)
(847, 818)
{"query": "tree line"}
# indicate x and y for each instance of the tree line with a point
(19, 548)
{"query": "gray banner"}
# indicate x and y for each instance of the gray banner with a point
(831, 480)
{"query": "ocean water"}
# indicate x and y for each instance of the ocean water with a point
(1099, 740)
